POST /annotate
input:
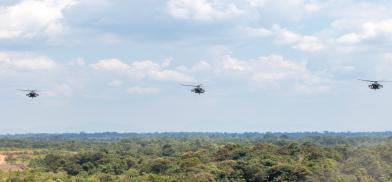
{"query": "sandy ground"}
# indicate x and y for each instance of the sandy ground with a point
(9, 167)
(2, 159)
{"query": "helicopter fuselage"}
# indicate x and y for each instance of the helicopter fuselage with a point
(375, 86)
(198, 90)
(32, 95)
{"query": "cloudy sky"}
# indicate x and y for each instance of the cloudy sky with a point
(270, 65)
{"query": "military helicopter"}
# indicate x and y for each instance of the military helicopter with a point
(197, 89)
(31, 93)
(375, 85)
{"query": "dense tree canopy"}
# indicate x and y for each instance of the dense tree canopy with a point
(203, 158)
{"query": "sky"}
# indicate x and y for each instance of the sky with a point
(268, 65)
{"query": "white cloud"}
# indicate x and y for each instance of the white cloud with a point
(37, 63)
(143, 69)
(110, 65)
(275, 69)
(201, 66)
(350, 38)
(167, 62)
(145, 66)
(256, 32)
(116, 83)
(285, 36)
(258, 3)
(368, 30)
(202, 9)
(231, 64)
(312, 7)
(301, 42)
(142, 90)
(156, 71)
(309, 43)
(32, 18)
(170, 75)
(282, 35)
(25, 62)
(292, 10)
(207, 10)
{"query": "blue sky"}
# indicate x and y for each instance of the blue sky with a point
(270, 65)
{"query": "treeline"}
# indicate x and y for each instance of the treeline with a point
(275, 139)
(203, 159)
(246, 135)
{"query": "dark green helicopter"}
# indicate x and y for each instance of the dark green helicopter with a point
(31, 93)
(197, 89)
(374, 84)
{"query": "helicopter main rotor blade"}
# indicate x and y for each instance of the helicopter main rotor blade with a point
(367, 80)
(375, 81)
(25, 90)
(188, 85)
(31, 90)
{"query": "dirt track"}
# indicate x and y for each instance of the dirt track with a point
(2, 159)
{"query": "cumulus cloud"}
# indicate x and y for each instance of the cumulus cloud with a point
(32, 18)
(143, 69)
(368, 30)
(116, 83)
(301, 42)
(255, 32)
(273, 69)
(149, 69)
(167, 62)
(257, 3)
(202, 9)
(207, 10)
(309, 43)
(201, 66)
(350, 38)
(285, 36)
(25, 62)
(110, 65)
(142, 90)
(270, 68)
(231, 64)
(282, 35)
(313, 7)
(293, 10)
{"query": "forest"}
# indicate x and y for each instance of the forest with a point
(199, 157)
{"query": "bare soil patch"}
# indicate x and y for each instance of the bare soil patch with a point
(5, 167)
